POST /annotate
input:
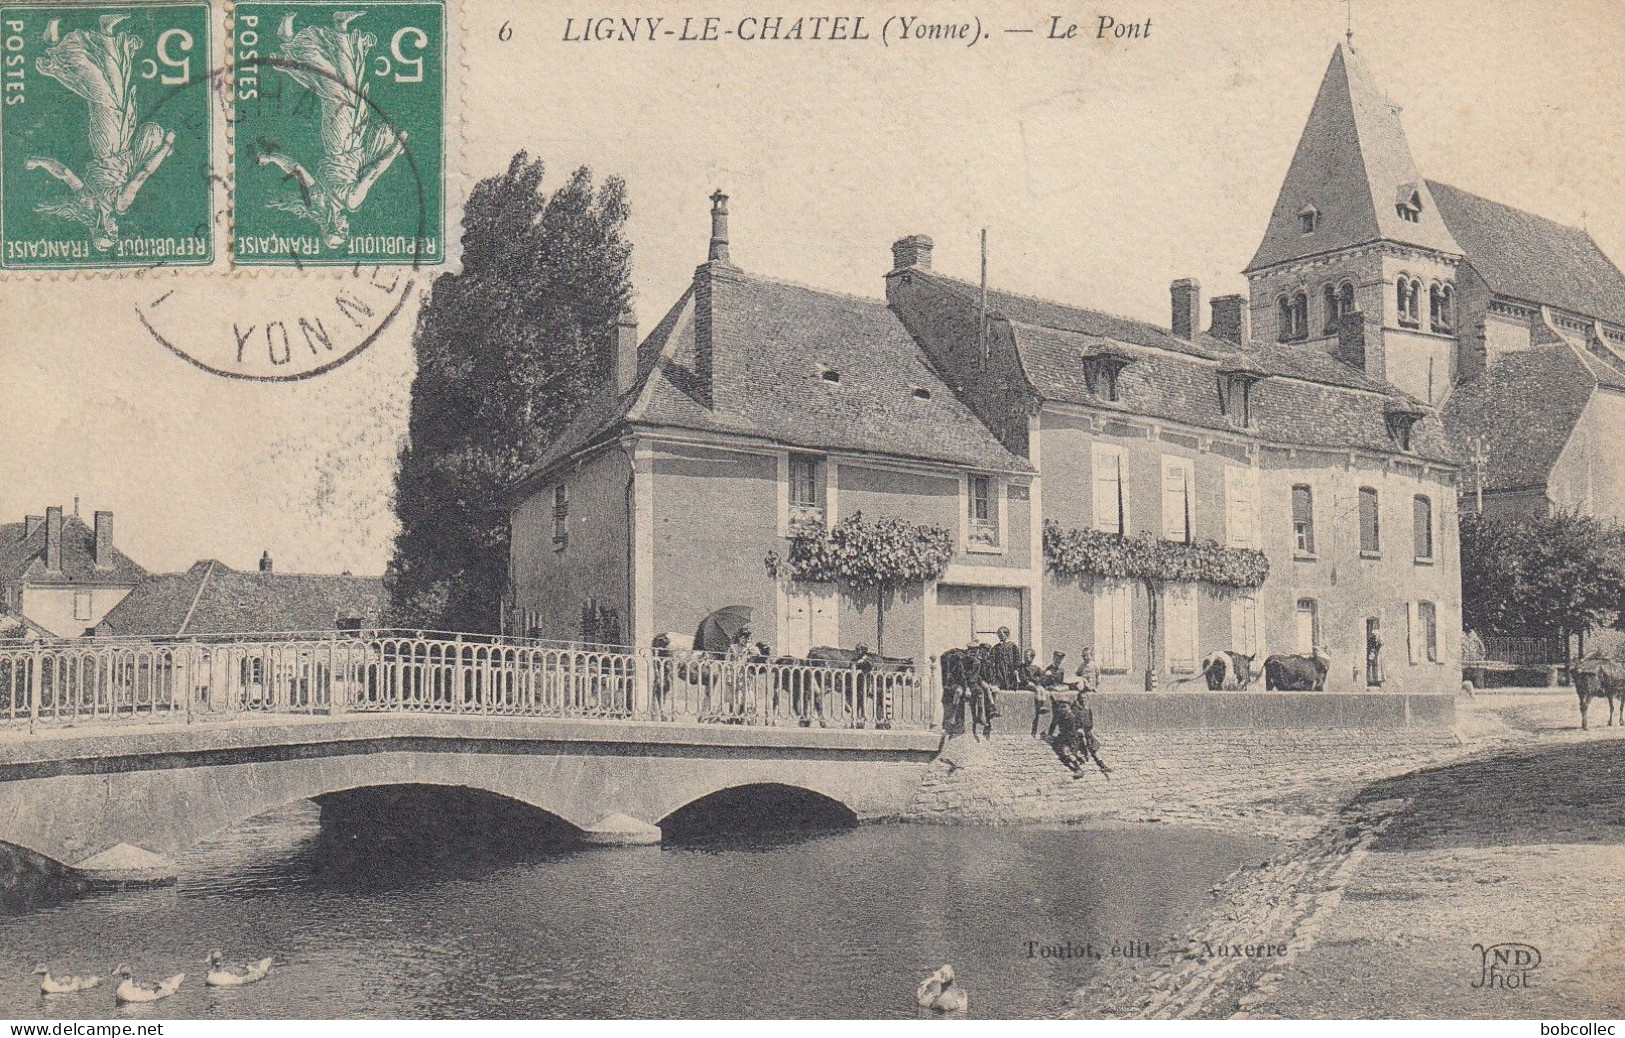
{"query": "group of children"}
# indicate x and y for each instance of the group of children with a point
(1071, 731)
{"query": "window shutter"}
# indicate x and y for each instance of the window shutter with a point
(1108, 491)
(1414, 633)
(1423, 534)
(1180, 626)
(1175, 499)
(1240, 486)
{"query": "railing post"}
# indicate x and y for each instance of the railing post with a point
(34, 689)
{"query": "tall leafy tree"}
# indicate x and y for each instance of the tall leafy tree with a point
(1538, 575)
(507, 351)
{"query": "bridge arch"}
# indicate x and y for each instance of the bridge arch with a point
(757, 807)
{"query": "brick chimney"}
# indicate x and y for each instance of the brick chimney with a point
(719, 229)
(265, 562)
(32, 523)
(626, 351)
(1186, 296)
(913, 252)
(53, 539)
(104, 540)
(1229, 319)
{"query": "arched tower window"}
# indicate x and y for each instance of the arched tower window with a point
(1300, 315)
(1330, 304)
(1346, 299)
(1408, 294)
(1283, 319)
(1440, 300)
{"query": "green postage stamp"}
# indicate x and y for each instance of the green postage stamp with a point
(339, 132)
(104, 136)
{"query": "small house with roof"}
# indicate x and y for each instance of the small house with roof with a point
(211, 598)
(60, 576)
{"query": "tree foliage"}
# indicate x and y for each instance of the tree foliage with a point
(1536, 575)
(507, 351)
(1151, 559)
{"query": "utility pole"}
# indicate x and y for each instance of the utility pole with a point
(982, 324)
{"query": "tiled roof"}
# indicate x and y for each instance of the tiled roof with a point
(1529, 257)
(213, 598)
(24, 557)
(1524, 408)
(1352, 166)
(773, 344)
(1285, 410)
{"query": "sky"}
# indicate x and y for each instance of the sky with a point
(1102, 170)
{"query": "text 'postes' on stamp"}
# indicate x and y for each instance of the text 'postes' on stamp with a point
(104, 136)
(339, 133)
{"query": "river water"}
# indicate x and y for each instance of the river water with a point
(828, 924)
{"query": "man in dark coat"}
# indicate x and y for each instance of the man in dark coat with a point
(1006, 661)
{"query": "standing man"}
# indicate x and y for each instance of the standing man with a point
(1088, 674)
(1006, 661)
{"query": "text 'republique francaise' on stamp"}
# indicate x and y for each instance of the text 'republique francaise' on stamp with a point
(106, 157)
(339, 133)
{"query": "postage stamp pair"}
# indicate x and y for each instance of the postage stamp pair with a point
(108, 155)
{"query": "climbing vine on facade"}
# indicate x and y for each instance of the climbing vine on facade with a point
(883, 555)
(1151, 559)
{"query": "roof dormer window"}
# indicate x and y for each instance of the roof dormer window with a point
(829, 374)
(1402, 416)
(1236, 380)
(921, 393)
(1408, 203)
(1308, 219)
(1102, 365)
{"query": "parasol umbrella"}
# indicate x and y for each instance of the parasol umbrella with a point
(717, 631)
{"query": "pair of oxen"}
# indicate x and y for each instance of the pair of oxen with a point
(1283, 671)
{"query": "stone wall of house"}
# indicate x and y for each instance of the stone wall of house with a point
(1589, 475)
(553, 579)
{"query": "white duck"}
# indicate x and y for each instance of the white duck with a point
(224, 974)
(132, 990)
(50, 985)
(939, 994)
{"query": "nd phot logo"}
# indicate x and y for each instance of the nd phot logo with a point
(1506, 966)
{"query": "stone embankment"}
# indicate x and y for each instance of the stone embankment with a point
(1274, 781)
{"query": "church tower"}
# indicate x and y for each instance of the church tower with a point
(1357, 260)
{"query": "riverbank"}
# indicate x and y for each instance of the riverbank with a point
(1512, 836)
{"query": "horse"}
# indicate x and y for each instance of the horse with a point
(1596, 677)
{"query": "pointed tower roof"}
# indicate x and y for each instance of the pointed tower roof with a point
(1354, 169)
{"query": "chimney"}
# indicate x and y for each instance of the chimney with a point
(626, 351)
(1186, 294)
(104, 540)
(265, 562)
(1351, 340)
(53, 539)
(32, 523)
(1229, 319)
(912, 252)
(719, 229)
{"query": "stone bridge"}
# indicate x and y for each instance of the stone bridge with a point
(119, 802)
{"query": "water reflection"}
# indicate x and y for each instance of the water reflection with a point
(377, 919)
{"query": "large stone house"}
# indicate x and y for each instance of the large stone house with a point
(61, 577)
(1511, 323)
(754, 403)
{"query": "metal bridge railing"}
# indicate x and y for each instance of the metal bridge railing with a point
(83, 683)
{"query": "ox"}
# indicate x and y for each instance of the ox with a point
(1595, 677)
(1229, 671)
(1295, 672)
(858, 677)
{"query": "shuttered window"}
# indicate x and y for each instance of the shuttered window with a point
(1424, 632)
(1303, 519)
(1114, 626)
(1422, 514)
(1111, 513)
(1241, 506)
(1177, 502)
(1179, 621)
(1244, 625)
(1370, 531)
(1308, 621)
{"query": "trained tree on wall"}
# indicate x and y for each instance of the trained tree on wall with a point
(1549, 575)
(884, 555)
(507, 351)
(1155, 563)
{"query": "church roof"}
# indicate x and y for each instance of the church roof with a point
(1523, 411)
(1529, 257)
(1353, 168)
